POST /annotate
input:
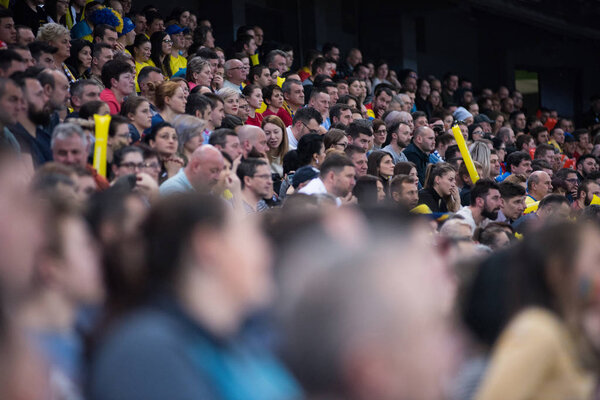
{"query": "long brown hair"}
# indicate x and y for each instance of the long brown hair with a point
(278, 153)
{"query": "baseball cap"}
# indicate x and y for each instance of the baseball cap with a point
(174, 29)
(304, 174)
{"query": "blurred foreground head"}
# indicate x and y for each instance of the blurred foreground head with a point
(369, 321)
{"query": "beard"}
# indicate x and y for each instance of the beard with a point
(490, 214)
(38, 117)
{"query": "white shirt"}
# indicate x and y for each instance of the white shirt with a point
(316, 186)
(292, 141)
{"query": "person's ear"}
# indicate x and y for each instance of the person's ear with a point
(396, 197)
(47, 90)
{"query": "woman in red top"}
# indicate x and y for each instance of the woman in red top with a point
(254, 97)
(273, 98)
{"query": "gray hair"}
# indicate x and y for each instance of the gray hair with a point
(196, 64)
(271, 56)
(187, 128)
(225, 93)
(67, 130)
(481, 152)
(51, 31)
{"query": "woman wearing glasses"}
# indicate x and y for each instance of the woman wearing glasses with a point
(160, 55)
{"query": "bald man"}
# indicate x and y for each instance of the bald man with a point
(235, 74)
(253, 141)
(202, 172)
(539, 185)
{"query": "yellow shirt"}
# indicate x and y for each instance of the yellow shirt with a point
(138, 68)
(535, 358)
(178, 63)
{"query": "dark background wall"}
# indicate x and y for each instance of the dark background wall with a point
(486, 40)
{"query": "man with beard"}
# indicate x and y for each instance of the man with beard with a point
(585, 193)
(253, 141)
(485, 204)
(257, 185)
(401, 135)
(56, 88)
(28, 129)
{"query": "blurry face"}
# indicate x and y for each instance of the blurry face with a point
(346, 117)
(513, 207)
(64, 48)
(255, 99)
(280, 63)
(296, 95)
(232, 105)
(261, 183)
(178, 101)
(121, 138)
(11, 104)
(152, 167)
(79, 275)
(70, 151)
(523, 168)
(156, 26)
(125, 85)
(217, 114)
(380, 192)
(143, 52)
(110, 38)
(321, 103)
(344, 181)
(132, 163)
(386, 166)
(363, 141)
(85, 57)
(166, 141)
(354, 88)
(276, 100)
(494, 165)
(427, 141)
(25, 36)
(233, 146)
(360, 163)
(204, 77)
(8, 33)
(274, 135)
(446, 183)
(379, 135)
(167, 44)
(142, 116)
(264, 79)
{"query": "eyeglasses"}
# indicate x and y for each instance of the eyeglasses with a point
(131, 165)
(342, 145)
(237, 68)
(152, 165)
(309, 130)
(168, 41)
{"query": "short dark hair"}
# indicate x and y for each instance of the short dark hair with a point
(207, 54)
(196, 102)
(382, 88)
(287, 85)
(335, 162)
(352, 149)
(100, 30)
(256, 71)
(37, 48)
(584, 157)
(398, 180)
(98, 47)
(113, 69)
(535, 132)
(248, 167)
(540, 165)
(307, 146)
(151, 16)
(120, 154)
(541, 150)
(482, 188)
(219, 136)
(508, 190)
(305, 114)
(115, 121)
(552, 199)
(231, 121)
(144, 72)
(355, 129)
(516, 158)
(268, 91)
(336, 110)
(584, 186)
(167, 234)
(7, 57)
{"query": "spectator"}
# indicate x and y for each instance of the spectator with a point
(417, 152)
(118, 78)
(440, 193)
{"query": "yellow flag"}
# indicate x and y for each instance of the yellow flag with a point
(595, 200)
(102, 122)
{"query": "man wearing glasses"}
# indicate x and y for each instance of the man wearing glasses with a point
(235, 74)
(257, 185)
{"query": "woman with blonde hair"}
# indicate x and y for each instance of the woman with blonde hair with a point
(480, 152)
(277, 141)
(231, 100)
(58, 36)
(170, 101)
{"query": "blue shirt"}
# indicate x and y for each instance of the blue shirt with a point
(178, 183)
(159, 352)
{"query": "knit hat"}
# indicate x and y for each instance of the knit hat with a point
(128, 26)
(461, 114)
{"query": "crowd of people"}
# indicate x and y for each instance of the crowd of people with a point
(255, 230)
